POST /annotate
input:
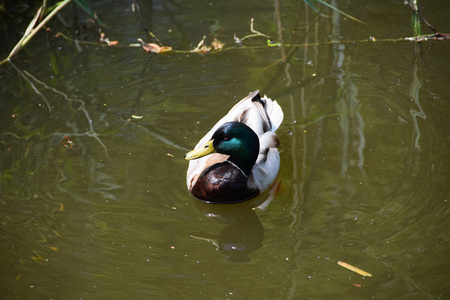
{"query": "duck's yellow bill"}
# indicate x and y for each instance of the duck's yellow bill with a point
(208, 148)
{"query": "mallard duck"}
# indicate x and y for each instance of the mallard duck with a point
(238, 158)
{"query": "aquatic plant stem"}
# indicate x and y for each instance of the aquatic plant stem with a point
(415, 18)
(414, 9)
(35, 30)
(31, 31)
(27, 32)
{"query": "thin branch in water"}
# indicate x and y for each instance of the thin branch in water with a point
(255, 33)
(154, 37)
(200, 44)
(216, 46)
(201, 47)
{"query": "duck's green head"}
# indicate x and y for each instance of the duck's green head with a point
(235, 139)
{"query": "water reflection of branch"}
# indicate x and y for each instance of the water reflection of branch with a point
(91, 133)
(414, 94)
(162, 138)
(55, 90)
(136, 111)
(347, 102)
(33, 87)
(296, 216)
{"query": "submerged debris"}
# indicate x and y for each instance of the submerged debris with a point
(104, 39)
(216, 45)
(68, 143)
(201, 47)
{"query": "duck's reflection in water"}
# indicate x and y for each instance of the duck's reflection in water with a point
(243, 233)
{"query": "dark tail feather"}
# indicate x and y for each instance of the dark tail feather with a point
(260, 106)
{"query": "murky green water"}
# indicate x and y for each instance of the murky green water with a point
(365, 156)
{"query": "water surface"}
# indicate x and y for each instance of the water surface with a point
(364, 147)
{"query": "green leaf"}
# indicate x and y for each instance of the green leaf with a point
(416, 24)
(415, 18)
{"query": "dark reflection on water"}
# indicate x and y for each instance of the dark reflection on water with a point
(364, 149)
(243, 232)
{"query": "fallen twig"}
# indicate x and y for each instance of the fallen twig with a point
(255, 33)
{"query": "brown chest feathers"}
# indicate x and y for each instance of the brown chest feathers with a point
(223, 182)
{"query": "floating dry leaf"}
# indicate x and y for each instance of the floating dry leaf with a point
(154, 48)
(151, 47)
(112, 43)
(354, 269)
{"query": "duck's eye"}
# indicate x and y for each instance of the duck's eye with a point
(226, 137)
